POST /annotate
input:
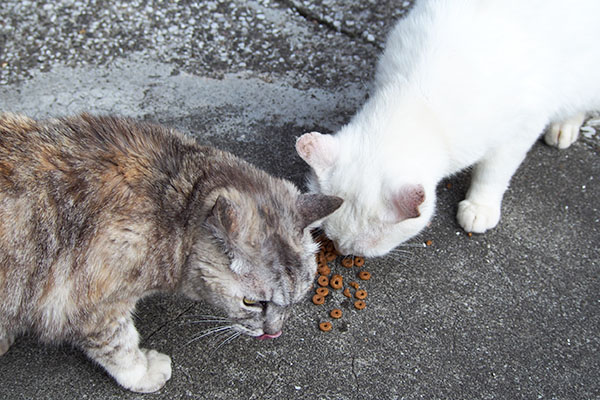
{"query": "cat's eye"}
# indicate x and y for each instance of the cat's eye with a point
(248, 302)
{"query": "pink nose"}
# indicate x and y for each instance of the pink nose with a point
(269, 336)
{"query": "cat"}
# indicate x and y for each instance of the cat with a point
(99, 211)
(459, 83)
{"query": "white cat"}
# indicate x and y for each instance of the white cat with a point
(461, 82)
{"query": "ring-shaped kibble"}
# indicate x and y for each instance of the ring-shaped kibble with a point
(318, 299)
(336, 282)
(347, 262)
(364, 275)
(359, 261)
(360, 304)
(323, 280)
(347, 292)
(324, 270)
(325, 326)
(322, 291)
(330, 256)
(336, 313)
(361, 294)
(354, 285)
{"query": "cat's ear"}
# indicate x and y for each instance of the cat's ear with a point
(319, 151)
(224, 218)
(405, 202)
(313, 207)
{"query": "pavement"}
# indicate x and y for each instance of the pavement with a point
(511, 314)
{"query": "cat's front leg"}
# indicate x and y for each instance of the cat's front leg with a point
(564, 133)
(114, 345)
(480, 211)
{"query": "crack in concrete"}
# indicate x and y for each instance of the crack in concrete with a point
(167, 323)
(312, 16)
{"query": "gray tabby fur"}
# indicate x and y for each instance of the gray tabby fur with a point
(97, 212)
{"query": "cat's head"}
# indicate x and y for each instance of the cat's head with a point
(381, 208)
(259, 259)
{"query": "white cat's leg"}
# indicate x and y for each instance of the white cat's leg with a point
(116, 349)
(480, 210)
(564, 133)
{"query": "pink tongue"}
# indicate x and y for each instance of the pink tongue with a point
(269, 336)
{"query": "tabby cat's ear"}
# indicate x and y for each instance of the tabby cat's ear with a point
(313, 207)
(405, 202)
(224, 218)
(319, 151)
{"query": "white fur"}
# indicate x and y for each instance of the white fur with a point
(461, 83)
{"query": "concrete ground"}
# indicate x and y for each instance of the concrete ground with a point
(512, 314)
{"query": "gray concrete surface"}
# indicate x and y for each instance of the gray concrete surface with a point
(512, 314)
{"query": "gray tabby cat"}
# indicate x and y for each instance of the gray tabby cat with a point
(97, 212)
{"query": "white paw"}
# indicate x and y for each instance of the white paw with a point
(477, 218)
(565, 133)
(158, 372)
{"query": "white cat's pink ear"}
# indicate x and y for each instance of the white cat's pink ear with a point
(405, 202)
(319, 151)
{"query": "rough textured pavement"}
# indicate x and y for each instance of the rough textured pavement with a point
(512, 314)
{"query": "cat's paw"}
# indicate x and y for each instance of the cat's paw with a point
(477, 218)
(5, 343)
(158, 372)
(563, 134)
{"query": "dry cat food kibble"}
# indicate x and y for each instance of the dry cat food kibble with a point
(324, 257)
(318, 299)
(364, 275)
(323, 280)
(336, 282)
(325, 326)
(325, 270)
(330, 256)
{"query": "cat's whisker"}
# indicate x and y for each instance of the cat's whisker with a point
(204, 321)
(230, 338)
(210, 331)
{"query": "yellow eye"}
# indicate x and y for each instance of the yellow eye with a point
(248, 302)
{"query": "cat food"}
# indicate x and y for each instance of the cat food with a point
(359, 261)
(336, 313)
(324, 270)
(347, 262)
(360, 304)
(325, 326)
(323, 280)
(361, 294)
(336, 282)
(354, 285)
(347, 292)
(364, 275)
(322, 291)
(429, 242)
(318, 299)
(330, 256)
